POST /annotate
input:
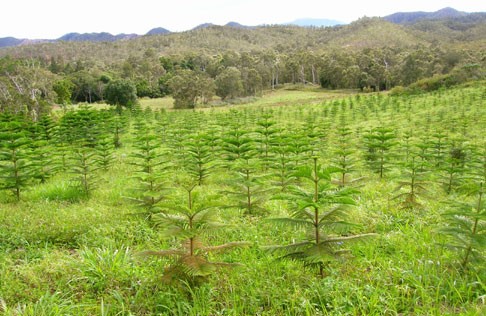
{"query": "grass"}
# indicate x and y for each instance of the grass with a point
(287, 95)
(65, 254)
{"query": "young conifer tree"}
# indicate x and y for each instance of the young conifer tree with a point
(466, 228)
(151, 171)
(282, 164)
(321, 209)
(190, 223)
(413, 183)
(248, 189)
(83, 167)
(379, 143)
(15, 160)
(453, 168)
(201, 161)
(266, 131)
(344, 157)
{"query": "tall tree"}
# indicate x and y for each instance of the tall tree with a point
(121, 93)
(229, 83)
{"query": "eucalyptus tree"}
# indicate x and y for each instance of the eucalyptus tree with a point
(121, 93)
(229, 83)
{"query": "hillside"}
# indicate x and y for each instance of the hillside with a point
(363, 33)
(433, 23)
(369, 54)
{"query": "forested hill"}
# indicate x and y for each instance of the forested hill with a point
(370, 53)
(364, 33)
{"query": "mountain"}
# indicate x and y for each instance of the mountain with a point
(12, 41)
(9, 41)
(95, 37)
(445, 25)
(203, 26)
(315, 22)
(237, 25)
(158, 31)
(413, 17)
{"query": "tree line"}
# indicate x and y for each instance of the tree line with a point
(30, 85)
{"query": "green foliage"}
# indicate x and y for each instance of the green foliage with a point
(44, 164)
(283, 164)
(105, 268)
(189, 224)
(61, 253)
(150, 173)
(104, 150)
(466, 229)
(453, 168)
(25, 87)
(379, 143)
(237, 144)
(184, 89)
(84, 167)
(201, 162)
(82, 127)
(426, 85)
(15, 161)
(64, 90)
(248, 191)
(321, 210)
(229, 84)
(413, 185)
(344, 157)
(121, 93)
(267, 132)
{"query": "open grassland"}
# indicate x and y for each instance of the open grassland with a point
(74, 233)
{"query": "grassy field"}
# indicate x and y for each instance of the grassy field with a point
(68, 250)
(289, 95)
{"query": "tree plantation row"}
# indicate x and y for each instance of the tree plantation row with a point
(190, 212)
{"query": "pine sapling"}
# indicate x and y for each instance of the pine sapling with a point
(466, 229)
(189, 224)
(321, 209)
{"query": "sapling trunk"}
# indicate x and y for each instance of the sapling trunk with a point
(474, 228)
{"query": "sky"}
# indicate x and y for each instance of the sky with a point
(49, 19)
